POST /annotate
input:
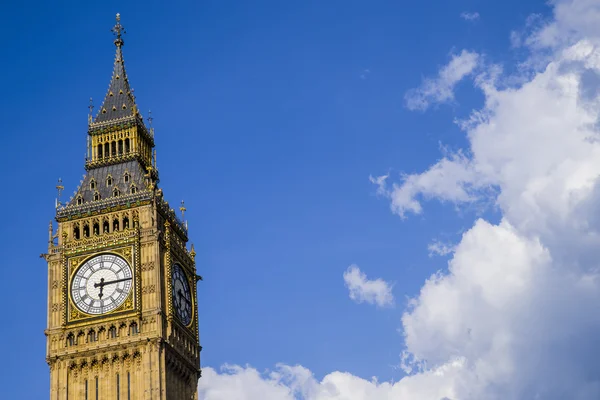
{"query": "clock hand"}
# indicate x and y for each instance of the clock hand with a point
(102, 283)
(181, 296)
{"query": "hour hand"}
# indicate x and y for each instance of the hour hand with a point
(101, 285)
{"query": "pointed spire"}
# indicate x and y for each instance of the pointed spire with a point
(119, 101)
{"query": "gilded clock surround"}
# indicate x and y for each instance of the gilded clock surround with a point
(129, 305)
(139, 350)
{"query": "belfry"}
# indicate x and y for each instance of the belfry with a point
(122, 312)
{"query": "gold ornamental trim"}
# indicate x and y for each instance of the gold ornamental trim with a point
(72, 314)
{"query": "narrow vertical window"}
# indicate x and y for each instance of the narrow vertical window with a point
(96, 388)
(86, 389)
(128, 386)
(118, 387)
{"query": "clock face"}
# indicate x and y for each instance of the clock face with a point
(182, 296)
(101, 284)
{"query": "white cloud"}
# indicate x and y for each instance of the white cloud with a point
(454, 178)
(441, 89)
(515, 316)
(362, 290)
(296, 382)
(470, 16)
(439, 248)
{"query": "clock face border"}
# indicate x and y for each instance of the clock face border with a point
(178, 266)
(72, 315)
(103, 267)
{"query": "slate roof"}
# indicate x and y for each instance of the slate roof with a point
(119, 101)
(117, 173)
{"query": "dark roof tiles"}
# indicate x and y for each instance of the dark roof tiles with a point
(119, 101)
(117, 173)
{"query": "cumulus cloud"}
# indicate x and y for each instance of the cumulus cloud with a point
(470, 16)
(441, 88)
(296, 382)
(439, 248)
(363, 290)
(515, 314)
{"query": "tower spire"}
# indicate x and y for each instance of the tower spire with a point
(119, 101)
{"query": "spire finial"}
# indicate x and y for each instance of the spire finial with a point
(91, 108)
(59, 189)
(183, 210)
(118, 30)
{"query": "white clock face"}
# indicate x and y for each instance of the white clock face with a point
(101, 284)
(182, 296)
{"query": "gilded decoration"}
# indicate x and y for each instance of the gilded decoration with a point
(74, 262)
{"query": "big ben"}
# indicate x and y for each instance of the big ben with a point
(122, 312)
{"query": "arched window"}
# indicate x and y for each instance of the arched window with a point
(96, 196)
(76, 231)
(133, 329)
(86, 230)
(79, 200)
(126, 146)
(115, 225)
(92, 336)
(70, 340)
(112, 332)
(133, 189)
(120, 147)
(92, 184)
(125, 223)
(105, 226)
(126, 177)
(113, 148)
(99, 151)
(109, 180)
(96, 228)
(116, 192)
(106, 150)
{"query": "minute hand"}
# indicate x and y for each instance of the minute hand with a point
(110, 282)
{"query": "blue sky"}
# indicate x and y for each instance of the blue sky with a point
(270, 118)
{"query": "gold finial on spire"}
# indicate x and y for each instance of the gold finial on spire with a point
(59, 188)
(118, 31)
(183, 210)
(193, 253)
(91, 108)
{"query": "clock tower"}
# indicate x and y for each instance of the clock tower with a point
(122, 312)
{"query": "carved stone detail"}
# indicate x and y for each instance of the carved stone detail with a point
(149, 289)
